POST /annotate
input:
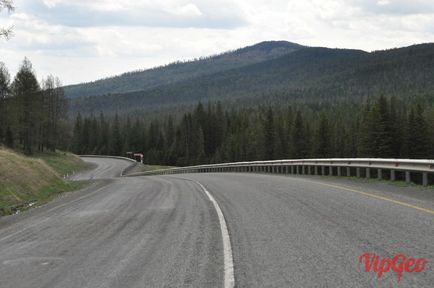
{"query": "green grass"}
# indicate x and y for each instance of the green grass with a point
(40, 197)
(64, 163)
(35, 180)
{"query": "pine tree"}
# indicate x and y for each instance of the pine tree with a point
(116, 138)
(76, 139)
(384, 143)
(417, 134)
(27, 92)
(54, 111)
(323, 137)
(269, 135)
(300, 143)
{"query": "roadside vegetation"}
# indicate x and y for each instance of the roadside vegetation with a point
(28, 181)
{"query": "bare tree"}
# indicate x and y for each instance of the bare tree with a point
(9, 6)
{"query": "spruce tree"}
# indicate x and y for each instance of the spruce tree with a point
(417, 134)
(269, 135)
(300, 144)
(323, 138)
(27, 92)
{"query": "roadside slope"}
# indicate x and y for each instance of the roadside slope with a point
(26, 180)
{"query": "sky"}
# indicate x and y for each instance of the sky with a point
(83, 40)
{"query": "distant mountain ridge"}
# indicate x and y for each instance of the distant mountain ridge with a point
(304, 74)
(179, 71)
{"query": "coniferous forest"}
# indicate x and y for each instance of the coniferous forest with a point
(33, 115)
(383, 127)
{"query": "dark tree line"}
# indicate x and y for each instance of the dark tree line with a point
(385, 127)
(32, 115)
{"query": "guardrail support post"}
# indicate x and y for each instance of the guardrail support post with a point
(292, 169)
(339, 170)
(330, 170)
(425, 179)
(368, 173)
(379, 174)
(348, 171)
(322, 170)
(392, 175)
(358, 172)
(407, 177)
(316, 170)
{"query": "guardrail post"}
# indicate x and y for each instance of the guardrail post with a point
(379, 174)
(348, 171)
(286, 169)
(425, 179)
(339, 170)
(368, 173)
(358, 172)
(407, 177)
(322, 170)
(392, 175)
(315, 170)
(330, 170)
(292, 169)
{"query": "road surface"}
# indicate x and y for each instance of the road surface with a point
(283, 231)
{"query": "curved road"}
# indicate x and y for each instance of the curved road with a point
(165, 232)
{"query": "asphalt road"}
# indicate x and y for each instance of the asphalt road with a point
(165, 232)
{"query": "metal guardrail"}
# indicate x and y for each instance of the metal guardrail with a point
(418, 171)
(105, 156)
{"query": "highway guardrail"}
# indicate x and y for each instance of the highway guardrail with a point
(408, 170)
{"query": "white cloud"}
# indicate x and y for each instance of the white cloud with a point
(84, 40)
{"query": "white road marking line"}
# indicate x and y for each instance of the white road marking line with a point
(227, 249)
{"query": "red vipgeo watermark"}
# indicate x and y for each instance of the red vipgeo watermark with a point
(399, 264)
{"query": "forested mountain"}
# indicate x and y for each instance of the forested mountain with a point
(309, 74)
(311, 103)
(175, 72)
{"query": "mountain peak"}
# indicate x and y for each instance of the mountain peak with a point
(180, 71)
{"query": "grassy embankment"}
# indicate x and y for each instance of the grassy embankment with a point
(27, 181)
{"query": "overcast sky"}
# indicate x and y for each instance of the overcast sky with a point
(83, 40)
